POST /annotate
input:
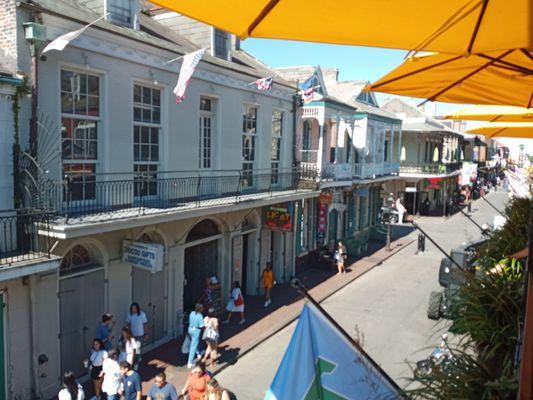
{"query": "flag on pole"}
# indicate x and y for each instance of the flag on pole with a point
(321, 364)
(518, 183)
(310, 94)
(190, 61)
(62, 41)
(264, 84)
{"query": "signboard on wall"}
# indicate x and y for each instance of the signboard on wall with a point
(279, 217)
(148, 256)
(322, 225)
(433, 183)
(325, 198)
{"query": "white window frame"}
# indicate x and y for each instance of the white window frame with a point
(248, 166)
(207, 163)
(151, 166)
(275, 164)
(82, 117)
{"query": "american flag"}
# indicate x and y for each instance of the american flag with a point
(190, 61)
(310, 94)
(264, 84)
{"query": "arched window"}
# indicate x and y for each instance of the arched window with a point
(202, 230)
(77, 259)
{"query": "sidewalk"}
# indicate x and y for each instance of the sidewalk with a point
(261, 323)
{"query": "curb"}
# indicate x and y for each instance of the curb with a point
(278, 329)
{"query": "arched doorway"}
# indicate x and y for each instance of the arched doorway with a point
(148, 289)
(332, 226)
(81, 305)
(201, 260)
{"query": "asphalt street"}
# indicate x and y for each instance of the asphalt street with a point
(385, 308)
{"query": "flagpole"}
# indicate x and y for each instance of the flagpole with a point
(296, 284)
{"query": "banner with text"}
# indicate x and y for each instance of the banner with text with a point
(148, 256)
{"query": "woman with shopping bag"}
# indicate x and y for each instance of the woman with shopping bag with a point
(196, 323)
(235, 303)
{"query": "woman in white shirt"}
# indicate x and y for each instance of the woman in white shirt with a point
(127, 346)
(136, 320)
(111, 374)
(72, 390)
(96, 360)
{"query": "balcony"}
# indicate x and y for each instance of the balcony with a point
(348, 171)
(20, 242)
(430, 168)
(101, 197)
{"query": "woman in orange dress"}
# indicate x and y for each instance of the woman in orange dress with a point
(268, 282)
(196, 385)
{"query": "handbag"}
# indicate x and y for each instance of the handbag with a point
(239, 301)
(210, 334)
(186, 345)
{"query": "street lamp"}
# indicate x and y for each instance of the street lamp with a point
(386, 217)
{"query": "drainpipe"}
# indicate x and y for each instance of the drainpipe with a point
(34, 338)
(295, 102)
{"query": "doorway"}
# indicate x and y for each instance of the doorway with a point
(81, 305)
(332, 226)
(201, 262)
(244, 263)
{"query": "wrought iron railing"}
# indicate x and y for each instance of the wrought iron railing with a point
(347, 171)
(19, 236)
(430, 168)
(80, 195)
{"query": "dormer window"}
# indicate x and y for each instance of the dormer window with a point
(221, 44)
(120, 12)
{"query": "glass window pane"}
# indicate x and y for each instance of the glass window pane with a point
(156, 115)
(136, 152)
(147, 115)
(80, 105)
(67, 105)
(92, 150)
(145, 153)
(156, 97)
(93, 106)
(154, 153)
(93, 85)
(154, 135)
(137, 114)
(66, 81)
(145, 134)
(137, 93)
(147, 95)
(83, 83)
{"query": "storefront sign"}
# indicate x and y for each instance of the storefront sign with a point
(322, 225)
(410, 189)
(433, 183)
(148, 256)
(237, 258)
(325, 198)
(279, 217)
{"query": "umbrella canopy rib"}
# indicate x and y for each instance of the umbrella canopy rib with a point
(478, 24)
(464, 78)
(264, 12)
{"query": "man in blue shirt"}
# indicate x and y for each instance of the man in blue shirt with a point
(103, 332)
(162, 390)
(131, 382)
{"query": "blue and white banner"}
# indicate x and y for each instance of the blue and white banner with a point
(321, 364)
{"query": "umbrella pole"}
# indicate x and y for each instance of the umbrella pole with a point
(525, 388)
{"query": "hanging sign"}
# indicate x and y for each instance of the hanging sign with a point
(148, 256)
(325, 198)
(237, 258)
(279, 217)
(322, 223)
(433, 183)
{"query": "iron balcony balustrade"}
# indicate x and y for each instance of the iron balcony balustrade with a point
(138, 193)
(430, 168)
(19, 236)
(349, 171)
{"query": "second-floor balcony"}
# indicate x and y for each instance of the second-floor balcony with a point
(430, 168)
(349, 171)
(21, 243)
(103, 197)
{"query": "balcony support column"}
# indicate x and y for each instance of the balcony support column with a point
(320, 152)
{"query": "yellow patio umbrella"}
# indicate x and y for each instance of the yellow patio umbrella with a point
(451, 26)
(505, 129)
(502, 78)
(494, 113)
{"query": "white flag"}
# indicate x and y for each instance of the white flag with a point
(62, 41)
(190, 61)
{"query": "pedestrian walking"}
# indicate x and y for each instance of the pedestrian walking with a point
(217, 392)
(127, 345)
(103, 332)
(268, 281)
(235, 303)
(196, 323)
(72, 390)
(97, 356)
(136, 320)
(131, 386)
(400, 208)
(111, 374)
(161, 389)
(340, 256)
(196, 384)
(211, 336)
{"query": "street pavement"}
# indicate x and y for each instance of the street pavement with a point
(385, 309)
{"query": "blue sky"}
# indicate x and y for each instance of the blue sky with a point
(364, 63)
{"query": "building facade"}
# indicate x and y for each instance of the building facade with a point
(355, 147)
(147, 198)
(430, 160)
